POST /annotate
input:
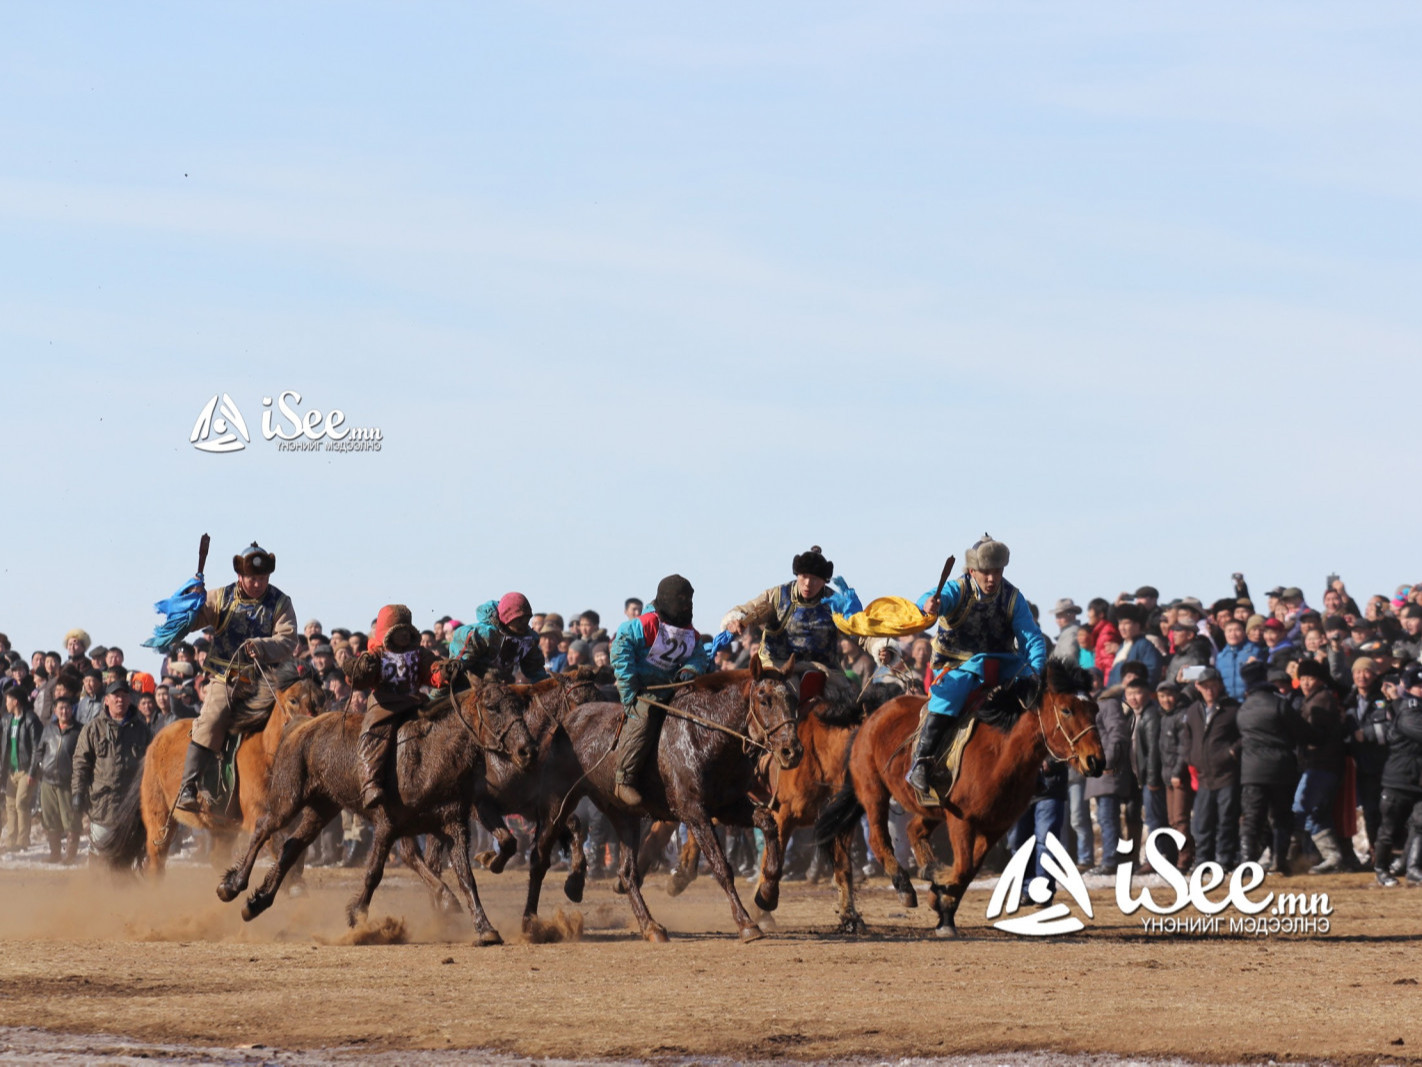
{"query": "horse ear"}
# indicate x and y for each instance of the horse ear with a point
(789, 666)
(755, 667)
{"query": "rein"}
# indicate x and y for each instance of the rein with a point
(1060, 728)
(693, 717)
(498, 745)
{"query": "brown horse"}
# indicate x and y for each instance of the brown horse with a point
(701, 773)
(163, 774)
(1019, 726)
(431, 785)
(798, 794)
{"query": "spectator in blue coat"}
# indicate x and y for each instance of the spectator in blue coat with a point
(1235, 654)
(1130, 620)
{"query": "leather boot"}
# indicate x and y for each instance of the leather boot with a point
(54, 854)
(1414, 861)
(633, 744)
(936, 730)
(1277, 863)
(1328, 846)
(195, 767)
(71, 846)
(373, 748)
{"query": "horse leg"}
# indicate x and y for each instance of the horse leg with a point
(850, 921)
(773, 828)
(238, 875)
(307, 827)
(578, 860)
(686, 864)
(876, 808)
(456, 830)
(969, 849)
(545, 839)
(443, 897)
(705, 834)
(381, 841)
(628, 830)
(493, 821)
(919, 830)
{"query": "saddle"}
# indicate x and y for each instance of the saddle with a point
(947, 761)
(218, 786)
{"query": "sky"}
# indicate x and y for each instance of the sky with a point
(631, 289)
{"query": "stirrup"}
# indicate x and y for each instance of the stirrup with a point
(919, 774)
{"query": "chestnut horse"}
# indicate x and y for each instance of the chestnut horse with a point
(701, 772)
(163, 774)
(1019, 726)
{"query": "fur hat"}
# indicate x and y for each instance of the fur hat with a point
(1312, 668)
(393, 630)
(84, 641)
(1254, 673)
(674, 595)
(813, 563)
(986, 555)
(253, 560)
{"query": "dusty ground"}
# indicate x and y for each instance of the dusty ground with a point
(79, 955)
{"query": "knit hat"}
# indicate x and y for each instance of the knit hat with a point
(253, 560)
(812, 563)
(986, 555)
(674, 594)
(514, 606)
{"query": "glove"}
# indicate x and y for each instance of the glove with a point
(365, 671)
(685, 675)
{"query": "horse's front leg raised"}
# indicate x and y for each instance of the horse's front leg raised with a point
(492, 819)
(308, 826)
(772, 827)
(237, 876)
(705, 834)
(577, 860)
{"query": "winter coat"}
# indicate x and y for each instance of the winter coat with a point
(1194, 653)
(1230, 659)
(647, 651)
(1322, 747)
(1403, 769)
(1114, 723)
(486, 645)
(1213, 749)
(1145, 747)
(1067, 647)
(107, 756)
(19, 744)
(56, 755)
(1370, 713)
(1269, 731)
(1140, 651)
(1172, 743)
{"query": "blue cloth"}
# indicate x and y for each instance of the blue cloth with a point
(1231, 658)
(720, 641)
(1154, 811)
(1080, 809)
(846, 601)
(949, 694)
(1031, 645)
(1108, 817)
(1043, 817)
(181, 610)
(1313, 801)
(631, 669)
(1140, 651)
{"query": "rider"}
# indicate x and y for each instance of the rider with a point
(986, 631)
(798, 619)
(250, 616)
(393, 668)
(651, 649)
(500, 640)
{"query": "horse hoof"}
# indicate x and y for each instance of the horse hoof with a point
(909, 899)
(488, 937)
(751, 933)
(948, 932)
(676, 884)
(767, 898)
(767, 922)
(486, 859)
(252, 908)
(621, 886)
(853, 925)
(573, 886)
(227, 893)
(656, 934)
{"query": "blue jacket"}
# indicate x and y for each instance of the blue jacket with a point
(632, 668)
(1031, 645)
(1139, 651)
(1230, 659)
(486, 645)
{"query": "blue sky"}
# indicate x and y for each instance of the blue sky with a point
(631, 289)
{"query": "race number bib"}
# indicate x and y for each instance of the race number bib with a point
(672, 647)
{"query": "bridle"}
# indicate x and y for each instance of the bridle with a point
(766, 731)
(1060, 728)
(498, 747)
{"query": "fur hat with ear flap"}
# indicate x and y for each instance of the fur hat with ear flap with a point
(393, 630)
(813, 563)
(986, 555)
(253, 560)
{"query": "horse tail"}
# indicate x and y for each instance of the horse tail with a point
(126, 846)
(842, 812)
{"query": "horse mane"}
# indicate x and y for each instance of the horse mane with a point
(716, 681)
(1005, 704)
(1063, 676)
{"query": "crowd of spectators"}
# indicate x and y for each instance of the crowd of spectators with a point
(1256, 730)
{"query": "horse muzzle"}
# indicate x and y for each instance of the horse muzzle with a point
(523, 756)
(789, 756)
(1093, 766)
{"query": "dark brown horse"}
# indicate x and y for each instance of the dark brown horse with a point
(1019, 726)
(432, 785)
(701, 773)
(146, 821)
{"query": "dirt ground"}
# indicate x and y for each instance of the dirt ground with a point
(82, 955)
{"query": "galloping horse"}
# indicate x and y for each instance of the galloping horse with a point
(438, 760)
(1019, 726)
(163, 774)
(702, 772)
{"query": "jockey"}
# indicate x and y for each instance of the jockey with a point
(652, 649)
(250, 616)
(798, 619)
(986, 634)
(393, 667)
(500, 640)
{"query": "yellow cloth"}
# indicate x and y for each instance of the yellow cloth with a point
(888, 616)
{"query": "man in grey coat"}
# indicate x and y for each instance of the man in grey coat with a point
(1067, 613)
(1116, 785)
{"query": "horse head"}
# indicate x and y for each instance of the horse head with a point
(499, 725)
(1067, 715)
(773, 712)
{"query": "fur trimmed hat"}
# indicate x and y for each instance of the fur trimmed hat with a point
(253, 560)
(674, 595)
(84, 640)
(986, 555)
(813, 563)
(394, 630)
